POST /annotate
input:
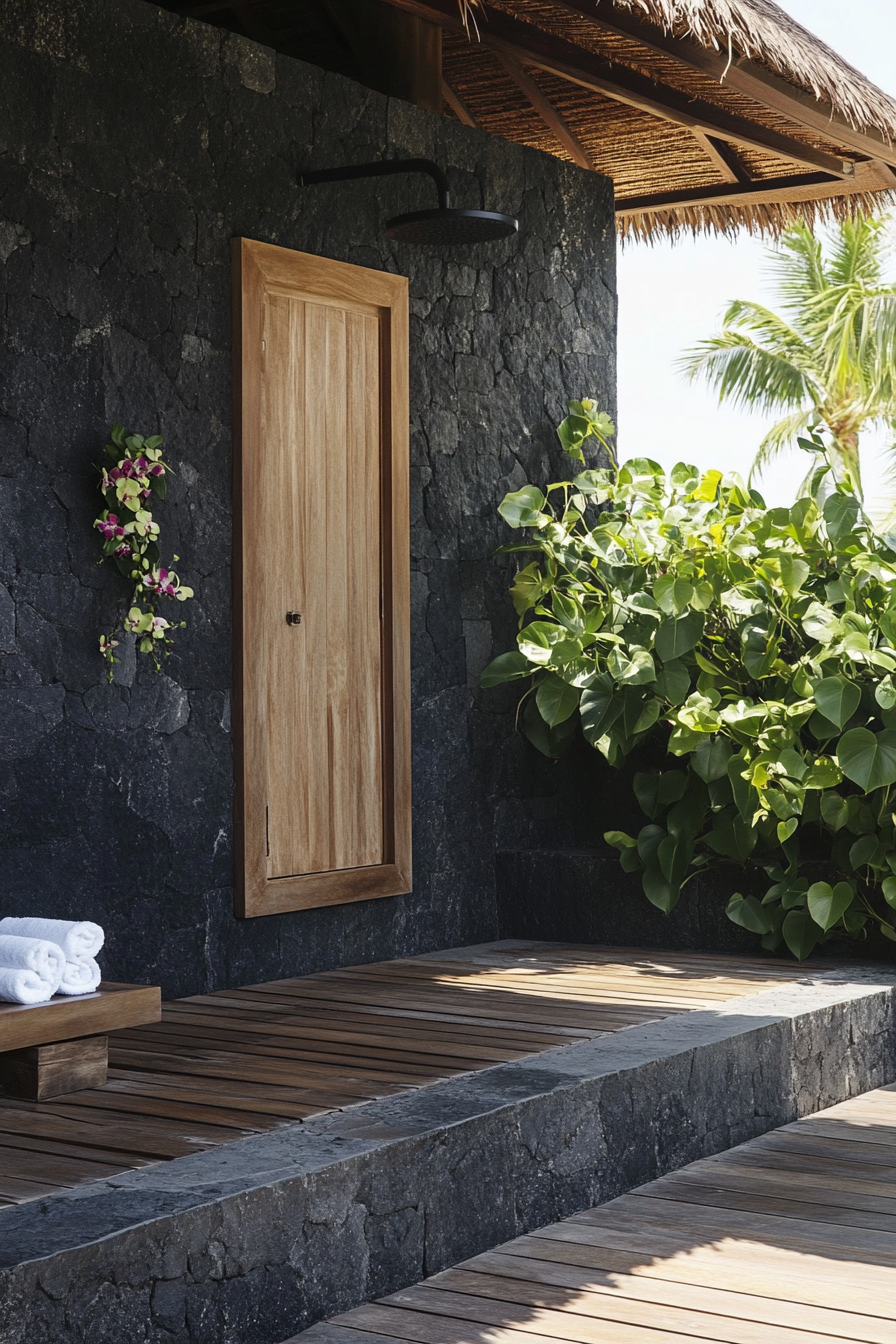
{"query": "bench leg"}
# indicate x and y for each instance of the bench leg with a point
(43, 1071)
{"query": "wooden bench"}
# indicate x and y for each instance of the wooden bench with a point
(48, 1049)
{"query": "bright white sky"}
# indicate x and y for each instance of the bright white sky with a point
(672, 295)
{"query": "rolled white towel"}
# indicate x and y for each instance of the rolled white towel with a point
(80, 941)
(80, 977)
(30, 969)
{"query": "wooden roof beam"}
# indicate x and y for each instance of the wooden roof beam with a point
(870, 177)
(690, 113)
(711, 149)
(741, 74)
(728, 155)
(554, 121)
(524, 42)
(458, 106)
(753, 193)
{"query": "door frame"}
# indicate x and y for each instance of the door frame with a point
(255, 266)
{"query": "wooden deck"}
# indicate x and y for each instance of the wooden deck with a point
(788, 1239)
(224, 1065)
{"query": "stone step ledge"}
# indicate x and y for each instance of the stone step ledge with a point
(254, 1241)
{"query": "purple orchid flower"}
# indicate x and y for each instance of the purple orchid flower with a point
(110, 527)
(163, 581)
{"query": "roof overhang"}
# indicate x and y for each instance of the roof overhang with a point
(705, 113)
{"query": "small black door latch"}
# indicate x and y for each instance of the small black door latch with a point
(293, 618)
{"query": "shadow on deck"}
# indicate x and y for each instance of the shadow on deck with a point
(788, 1239)
(244, 1061)
(270, 1156)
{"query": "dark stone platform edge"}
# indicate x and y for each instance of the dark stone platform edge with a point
(248, 1243)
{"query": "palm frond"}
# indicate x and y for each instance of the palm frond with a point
(858, 251)
(746, 373)
(781, 436)
(828, 356)
(796, 265)
(772, 330)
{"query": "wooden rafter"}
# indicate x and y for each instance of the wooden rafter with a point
(870, 177)
(710, 148)
(553, 119)
(458, 106)
(720, 195)
(741, 74)
(524, 42)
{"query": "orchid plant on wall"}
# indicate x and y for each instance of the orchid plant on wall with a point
(131, 541)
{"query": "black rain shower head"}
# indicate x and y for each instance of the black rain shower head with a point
(442, 227)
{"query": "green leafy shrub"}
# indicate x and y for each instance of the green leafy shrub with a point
(759, 642)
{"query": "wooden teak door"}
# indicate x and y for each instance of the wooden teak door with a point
(323, 702)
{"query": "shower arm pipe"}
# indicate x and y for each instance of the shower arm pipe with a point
(384, 168)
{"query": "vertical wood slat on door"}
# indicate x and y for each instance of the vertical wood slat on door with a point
(323, 707)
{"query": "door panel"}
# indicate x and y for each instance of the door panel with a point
(323, 770)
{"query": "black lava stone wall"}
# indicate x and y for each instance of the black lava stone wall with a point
(133, 146)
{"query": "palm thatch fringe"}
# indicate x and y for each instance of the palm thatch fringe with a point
(768, 220)
(763, 32)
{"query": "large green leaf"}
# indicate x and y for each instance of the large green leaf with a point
(794, 573)
(744, 793)
(521, 508)
(674, 682)
(841, 514)
(708, 487)
(760, 644)
(748, 913)
(834, 810)
(821, 623)
(674, 855)
(506, 667)
(800, 933)
(648, 714)
(656, 791)
(528, 588)
(678, 635)
(868, 759)
(537, 640)
(885, 693)
(659, 890)
(827, 904)
(556, 700)
(710, 760)
(672, 594)
(599, 708)
(649, 840)
(552, 742)
(732, 836)
(868, 851)
(823, 773)
(635, 669)
(620, 840)
(837, 699)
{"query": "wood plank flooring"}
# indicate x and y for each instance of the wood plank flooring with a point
(788, 1239)
(220, 1066)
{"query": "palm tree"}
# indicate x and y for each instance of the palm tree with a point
(828, 359)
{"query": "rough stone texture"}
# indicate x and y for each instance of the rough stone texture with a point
(583, 896)
(133, 145)
(248, 1243)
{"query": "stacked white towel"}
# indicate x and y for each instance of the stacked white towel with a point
(30, 968)
(80, 941)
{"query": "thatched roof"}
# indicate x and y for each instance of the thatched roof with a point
(763, 32)
(707, 114)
